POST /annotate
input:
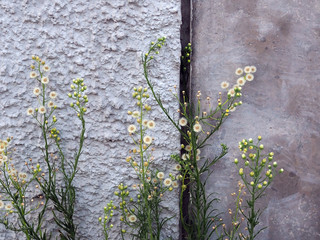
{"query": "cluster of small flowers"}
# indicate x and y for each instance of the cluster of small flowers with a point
(15, 175)
(140, 94)
(246, 145)
(186, 57)
(155, 47)
(78, 88)
(44, 80)
(196, 127)
(171, 181)
(187, 155)
(108, 214)
(123, 205)
(3, 160)
(54, 133)
(247, 73)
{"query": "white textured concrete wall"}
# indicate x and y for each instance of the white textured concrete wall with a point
(101, 41)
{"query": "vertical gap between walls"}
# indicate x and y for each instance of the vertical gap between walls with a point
(185, 85)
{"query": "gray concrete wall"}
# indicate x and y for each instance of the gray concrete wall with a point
(101, 41)
(282, 38)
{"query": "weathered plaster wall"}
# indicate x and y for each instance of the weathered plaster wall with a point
(101, 41)
(282, 39)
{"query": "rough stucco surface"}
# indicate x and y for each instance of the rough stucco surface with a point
(102, 42)
(282, 38)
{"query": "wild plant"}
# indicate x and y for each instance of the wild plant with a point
(140, 204)
(62, 194)
(196, 125)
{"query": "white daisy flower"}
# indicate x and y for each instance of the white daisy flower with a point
(145, 123)
(8, 206)
(132, 218)
(247, 69)
(198, 151)
(30, 111)
(184, 157)
(46, 68)
(253, 69)
(167, 182)
(151, 124)
(232, 109)
(36, 91)
(154, 180)
(42, 110)
(224, 85)
(1, 204)
(231, 92)
(198, 158)
(132, 128)
(45, 80)
(134, 186)
(239, 71)
(241, 81)
(175, 184)
(188, 148)
(177, 167)
(160, 175)
(197, 127)
(53, 95)
(4, 158)
(147, 140)
(33, 74)
(249, 77)
(183, 122)
(135, 114)
(50, 104)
